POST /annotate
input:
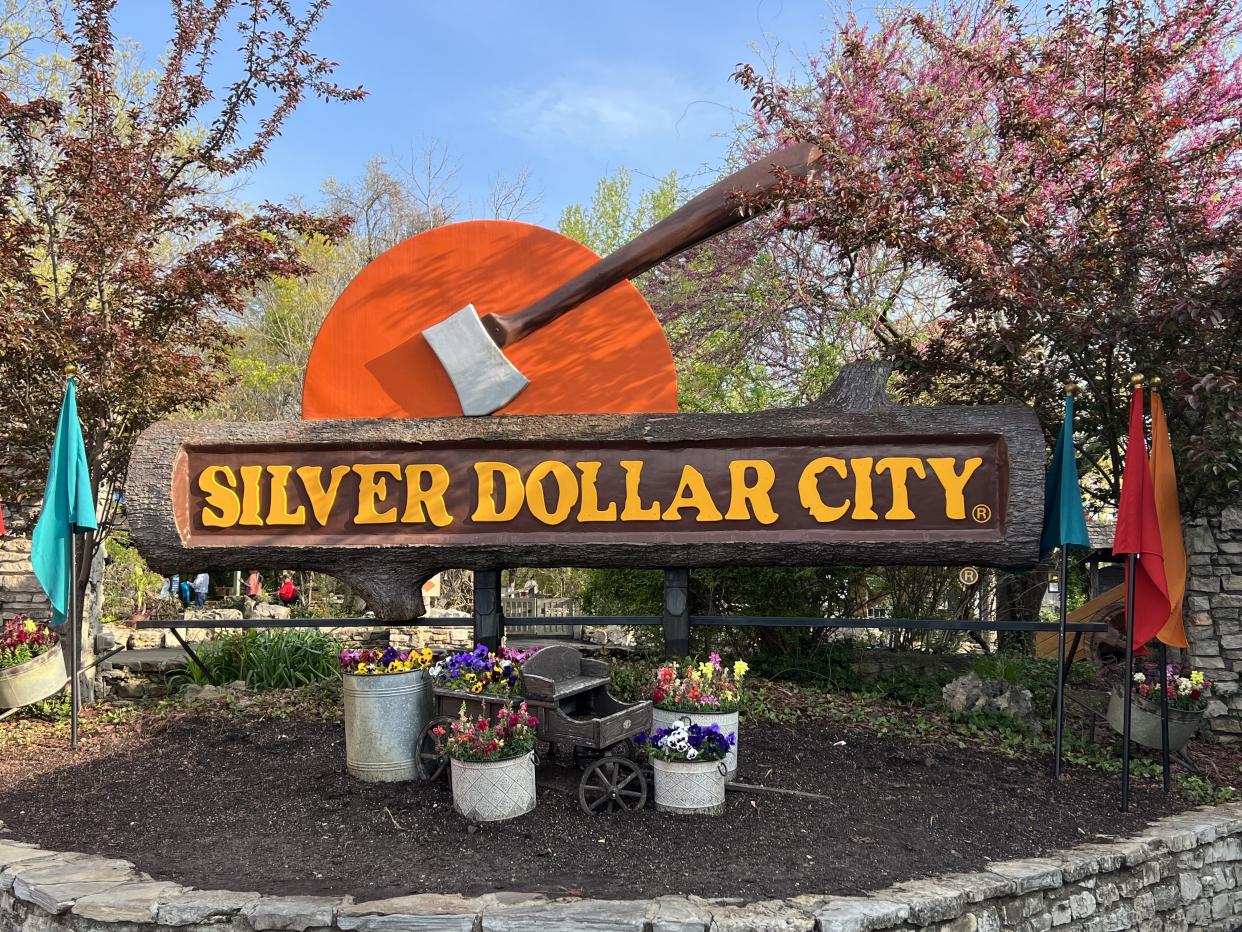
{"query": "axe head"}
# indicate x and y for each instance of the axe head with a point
(484, 379)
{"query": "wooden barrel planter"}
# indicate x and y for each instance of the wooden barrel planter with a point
(33, 680)
(728, 721)
(494, 790)
(384, 715)
(689, 788)
(1145, 721)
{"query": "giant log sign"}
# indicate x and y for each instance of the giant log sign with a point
(387, 503)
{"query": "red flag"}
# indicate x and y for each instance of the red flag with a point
(1, 519)
(1138, 532)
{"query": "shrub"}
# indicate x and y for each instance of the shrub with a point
(279, 659)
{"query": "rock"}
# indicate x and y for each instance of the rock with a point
(192, 907)
(213, 614)
(270, 610)
(970, 693)
(293, 913)
(1215, 709)
(195, 693)
(130, 902)
(57, 886)
(860, 914)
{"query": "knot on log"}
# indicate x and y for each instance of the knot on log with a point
(860, 386)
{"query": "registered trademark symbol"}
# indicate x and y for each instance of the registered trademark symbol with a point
(981, 513)
(968, 576)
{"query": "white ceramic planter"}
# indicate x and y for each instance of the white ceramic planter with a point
(689, 787)
(384, 715)
(661, 718)
(33, 680)
(1145, 722)
(492, 791)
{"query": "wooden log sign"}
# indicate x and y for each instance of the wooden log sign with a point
(386, 504)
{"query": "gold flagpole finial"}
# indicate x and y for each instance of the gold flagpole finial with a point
(1156, 381)
(1137, 379)
(71, 370)
(1072, 389)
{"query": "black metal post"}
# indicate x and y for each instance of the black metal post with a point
(489, 622)
(202, 667)
(1131, 566)
(1064, 592)
(75, 638)
(1164, 715)
(676, 612)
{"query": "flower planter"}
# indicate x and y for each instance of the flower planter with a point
(689, 787)
(494, 790)
(384, 714)
(33, 680)
(665, 718)
(1145, 721)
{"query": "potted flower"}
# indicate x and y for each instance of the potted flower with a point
(480, 672)
(1188, 692)
(689, 765)
(387, 696)
(31, 666)
(707, 693)
(493, 764)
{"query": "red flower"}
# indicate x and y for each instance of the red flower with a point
(658, 695)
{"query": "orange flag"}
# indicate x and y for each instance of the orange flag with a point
(1164, 482)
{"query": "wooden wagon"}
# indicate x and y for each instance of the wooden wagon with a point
(569, 695)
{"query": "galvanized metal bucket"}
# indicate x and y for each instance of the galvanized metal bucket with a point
(491, 791)
(663, 718)
(1145, 722)
(384, 715)
(33, 680)
(689, 787)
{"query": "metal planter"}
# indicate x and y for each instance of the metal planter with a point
(689, 787)
(664, 718)
(33, 680)
(384, 714)
(1145, 722)
(495, 790)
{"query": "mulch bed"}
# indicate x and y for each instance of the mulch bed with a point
(217, 800)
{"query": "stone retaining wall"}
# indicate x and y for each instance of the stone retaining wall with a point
(19, 589)
(1214, 614)
(1181, 874)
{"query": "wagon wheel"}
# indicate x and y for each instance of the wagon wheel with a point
(431, 756)
(612, 784)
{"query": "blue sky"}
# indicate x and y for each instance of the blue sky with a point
(569, 90)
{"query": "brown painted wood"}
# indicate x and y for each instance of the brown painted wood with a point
(704, 216)
(390, 577)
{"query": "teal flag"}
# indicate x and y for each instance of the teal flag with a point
(1065, 525)
(67, 501)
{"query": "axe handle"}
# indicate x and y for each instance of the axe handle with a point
(699, 219)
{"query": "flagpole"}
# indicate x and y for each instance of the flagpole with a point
(75, 638)
(1131, 566)
(1056, 770)
(1164, 714)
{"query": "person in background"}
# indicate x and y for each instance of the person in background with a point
(171, 588)
(185, 592)
(288, 592)
(202, 582)
(254, 584)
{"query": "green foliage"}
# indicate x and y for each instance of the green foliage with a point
(129, 584)
(284, 658)
(615, 216)
(1038, 674)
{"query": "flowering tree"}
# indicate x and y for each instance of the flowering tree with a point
(1074, 183)
(118, 251)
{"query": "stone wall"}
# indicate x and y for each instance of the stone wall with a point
(19, 590)
(1181, 874)
(1214, 614)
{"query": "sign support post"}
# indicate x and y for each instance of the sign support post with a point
(489, 623)
(676, 613)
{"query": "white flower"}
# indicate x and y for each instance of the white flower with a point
(1140, 678)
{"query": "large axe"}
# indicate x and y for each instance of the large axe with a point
(469, 346)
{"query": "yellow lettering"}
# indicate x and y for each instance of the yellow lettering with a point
(485, 508)
(954, 485)
(863, 510)
(426, 504)
(899, 468)
(321, 499)
(692, 493)
(590, 510)
(566, 493)
(372, 490)
(278, 513)
(251, 477)
(218, 484)
(634, 509)
(745, 500)
(808, 490)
